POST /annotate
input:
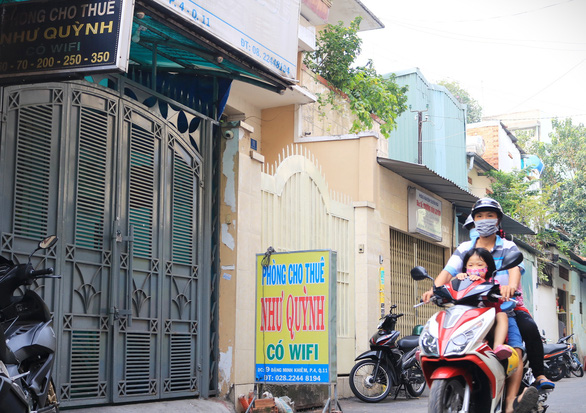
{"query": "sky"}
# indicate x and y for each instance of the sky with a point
(510, 55)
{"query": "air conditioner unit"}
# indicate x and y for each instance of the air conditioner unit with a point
(475, 144)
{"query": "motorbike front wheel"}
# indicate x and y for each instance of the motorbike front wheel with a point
(446, 396)
(579, 372)
(415, 381)
(365, 385)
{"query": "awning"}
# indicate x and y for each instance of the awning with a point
(163, 41)
(448, 190)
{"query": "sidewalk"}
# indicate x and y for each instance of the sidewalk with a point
(169, 406)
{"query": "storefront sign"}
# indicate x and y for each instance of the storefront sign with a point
(62, 37)
(296, 318)
(425, 214)
(265, 30)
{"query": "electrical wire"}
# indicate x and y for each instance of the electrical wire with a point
(550, 84)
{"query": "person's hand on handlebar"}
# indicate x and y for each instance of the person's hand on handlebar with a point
(426, 296)
(507, 291)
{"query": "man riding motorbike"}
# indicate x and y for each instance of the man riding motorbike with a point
(487, 215)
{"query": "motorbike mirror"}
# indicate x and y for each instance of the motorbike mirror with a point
(419, 273)
(48, 242)
(511, 260)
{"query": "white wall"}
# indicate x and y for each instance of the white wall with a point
(507, 149)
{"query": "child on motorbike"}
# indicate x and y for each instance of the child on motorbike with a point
(478, 262)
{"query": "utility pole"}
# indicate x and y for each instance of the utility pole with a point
(419, 134)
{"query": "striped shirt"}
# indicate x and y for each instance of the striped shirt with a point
(502, 247)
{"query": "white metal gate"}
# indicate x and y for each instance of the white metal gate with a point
(299, 212)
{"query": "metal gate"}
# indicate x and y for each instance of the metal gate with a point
(120, 182)
(407, 252)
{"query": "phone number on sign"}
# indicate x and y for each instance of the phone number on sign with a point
(255, 51)
(291, 378)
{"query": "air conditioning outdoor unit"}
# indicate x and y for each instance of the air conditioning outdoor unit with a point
(475, 144)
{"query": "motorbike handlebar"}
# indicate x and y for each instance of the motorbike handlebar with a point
(45, 271)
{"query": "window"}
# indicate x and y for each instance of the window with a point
(564, 273)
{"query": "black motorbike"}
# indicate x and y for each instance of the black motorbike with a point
(558, 359)
(389, 363)
(573, 364)
(27, 340)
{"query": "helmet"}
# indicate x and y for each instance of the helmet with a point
(487, 204)
(417, 330)
(512, 362)
(469, 223)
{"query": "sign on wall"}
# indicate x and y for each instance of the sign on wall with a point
(61, 37)
(265, 30)
(425, 214)
(296, 318)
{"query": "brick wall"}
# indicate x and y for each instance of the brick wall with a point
(491, 142)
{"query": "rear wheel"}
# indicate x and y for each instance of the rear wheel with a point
(446, 396)
(556, 371)
(415, 381)
(365, 385)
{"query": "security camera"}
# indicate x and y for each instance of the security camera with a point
(228, 134)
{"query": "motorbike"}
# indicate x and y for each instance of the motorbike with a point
(27, 340)
(463, 373)
(561, 360)
(389, 363)
(573, 364)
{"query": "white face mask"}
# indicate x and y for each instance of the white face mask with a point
(486, 227)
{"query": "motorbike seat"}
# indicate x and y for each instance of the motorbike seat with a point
(553, 348)
(408, 343)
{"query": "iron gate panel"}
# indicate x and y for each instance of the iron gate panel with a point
(122, 189)
(83, 376)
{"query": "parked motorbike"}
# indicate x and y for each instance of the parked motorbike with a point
(573, 364)
(561, 360)
(27, 340)
(463, 373)
(389, 363)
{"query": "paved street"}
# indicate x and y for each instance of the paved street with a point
(569, 397)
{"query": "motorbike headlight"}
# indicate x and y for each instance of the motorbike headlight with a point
(457, 344)
(428, 344)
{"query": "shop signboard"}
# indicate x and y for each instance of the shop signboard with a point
(296, 318)
(425, 214)
(265, 30)
(52, 39)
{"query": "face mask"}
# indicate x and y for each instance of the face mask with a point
(486, 227)
(481, 272)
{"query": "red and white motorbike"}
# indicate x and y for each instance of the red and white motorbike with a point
(462, 372)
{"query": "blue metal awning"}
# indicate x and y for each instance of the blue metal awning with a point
(433, 182)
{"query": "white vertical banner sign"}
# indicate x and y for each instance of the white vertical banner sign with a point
(265, 30)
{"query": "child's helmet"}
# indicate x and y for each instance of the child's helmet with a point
(469, 223)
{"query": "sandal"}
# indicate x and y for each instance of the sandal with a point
(503, 352)
(543, 384)
(528, 402)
